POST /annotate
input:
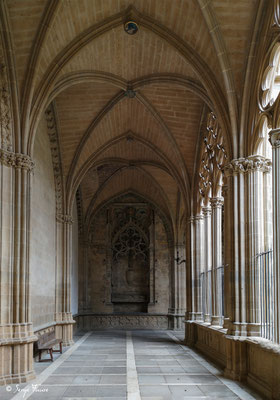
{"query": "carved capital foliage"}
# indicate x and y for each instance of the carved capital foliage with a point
(217, 202)
(56, 160)
(244, 165)
(16, 160)
(207, 211)
(198, 217)
(64, 218)
(274, 138)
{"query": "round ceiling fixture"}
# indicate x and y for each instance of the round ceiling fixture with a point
(131, 27)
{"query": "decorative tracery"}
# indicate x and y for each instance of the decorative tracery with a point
(130, 242)
(213, 156)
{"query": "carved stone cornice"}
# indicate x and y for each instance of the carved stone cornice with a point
(274, 138)
(16, 160)
(217, 202)
(207, 211)
(244, 165)
(64, 218)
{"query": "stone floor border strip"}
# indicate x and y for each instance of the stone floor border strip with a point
(30, 388)
(133, 391)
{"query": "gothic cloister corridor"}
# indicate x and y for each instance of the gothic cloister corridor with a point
(140, 198)
(128, 365)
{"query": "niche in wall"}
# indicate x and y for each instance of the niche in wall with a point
(130, 257)
(127, 260)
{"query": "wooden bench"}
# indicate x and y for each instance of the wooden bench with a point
(47, 341)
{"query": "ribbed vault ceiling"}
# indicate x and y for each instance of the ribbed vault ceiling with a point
(129, 109)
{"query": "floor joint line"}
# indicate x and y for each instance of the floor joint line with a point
(133, 391)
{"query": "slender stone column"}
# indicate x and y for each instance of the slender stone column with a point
(63, 317)
(217, 204)
(236, 252)
(255, 168)
(207, 211)
(275, 142)
(199, 266)
(227, 249)
(190, 270)
(16, 330)
(180, 295)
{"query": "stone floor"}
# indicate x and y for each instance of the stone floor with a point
(150, 365)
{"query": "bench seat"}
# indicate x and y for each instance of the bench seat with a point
(47, 341)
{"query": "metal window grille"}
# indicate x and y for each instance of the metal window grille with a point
(265, 267)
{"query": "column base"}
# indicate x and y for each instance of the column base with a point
(207, 318)
(176, 319)
(16, 353)
(244, 329)
(216, 320)
(64, 328)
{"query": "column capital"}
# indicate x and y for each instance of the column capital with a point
(16, 160)
(207, 211)
(217, 202)
(190, 219)
(198, 217)
(251, 163)
(274, 137)
(64, 218)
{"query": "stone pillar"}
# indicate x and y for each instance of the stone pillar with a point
(178, 306)
(217, 261)
(275, 142)
(256, 167)
(208, 262)
(16, 330)
(190, 270)
(236, 254)
(63, 316)
(199, 266)
(227, 250)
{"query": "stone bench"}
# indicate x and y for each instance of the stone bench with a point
(47, 341)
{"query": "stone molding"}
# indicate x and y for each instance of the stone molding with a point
(251, 163)
(16, 160)
(216, 202)
(274, 138)
(56, 159)
(64, 218)
(123, 321)
(5, 107)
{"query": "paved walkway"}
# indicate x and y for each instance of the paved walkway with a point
(117, 365)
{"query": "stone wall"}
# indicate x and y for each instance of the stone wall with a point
(252, 360)
(104, 294)
(42, 247)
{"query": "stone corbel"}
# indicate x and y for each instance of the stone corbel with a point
(64, 218)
